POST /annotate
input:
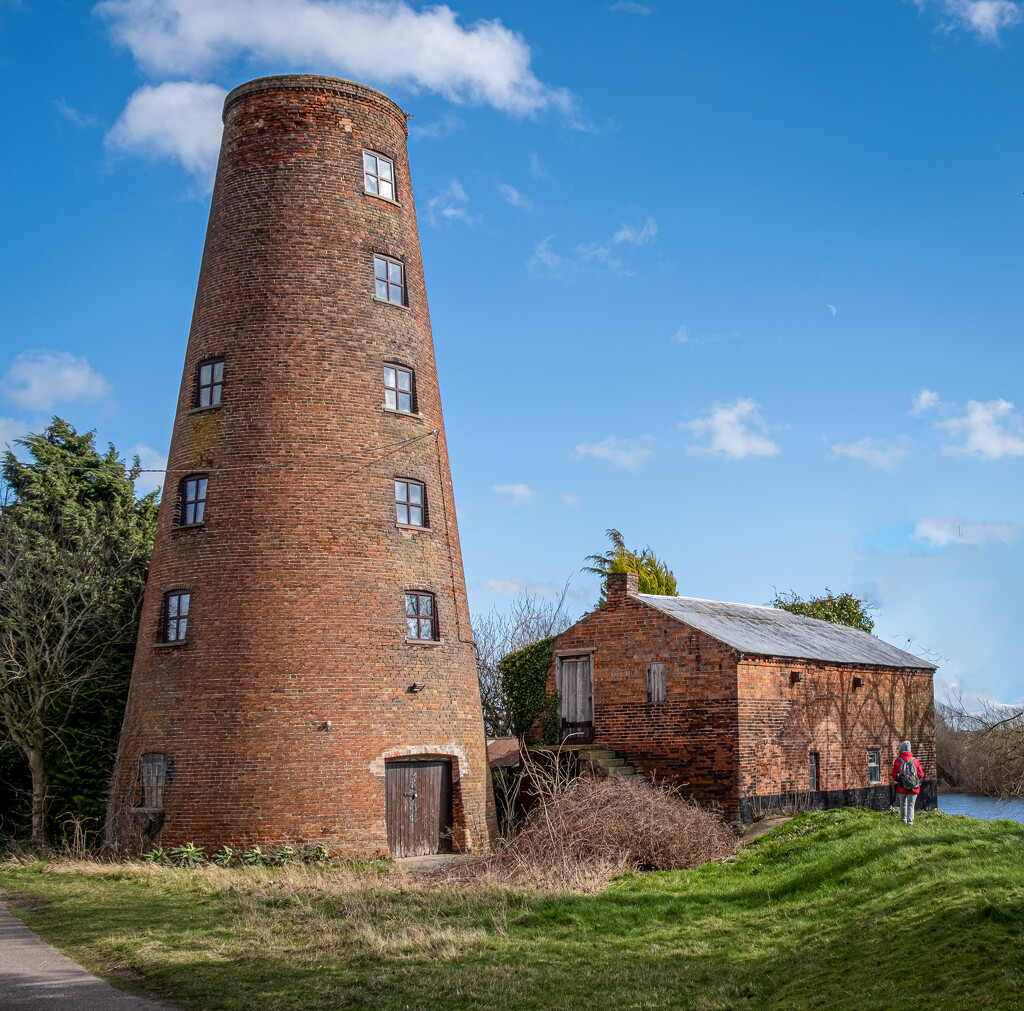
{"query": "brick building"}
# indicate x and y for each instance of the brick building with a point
(743, 706)
(305, 668)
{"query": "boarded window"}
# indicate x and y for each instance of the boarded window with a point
(656, 691)
(153, 775)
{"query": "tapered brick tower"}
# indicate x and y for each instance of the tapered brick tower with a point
(305, 668)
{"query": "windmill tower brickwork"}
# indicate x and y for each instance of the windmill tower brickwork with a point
(305, 669)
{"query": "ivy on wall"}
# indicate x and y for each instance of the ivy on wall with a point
(524, 679)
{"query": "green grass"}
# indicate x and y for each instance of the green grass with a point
(813, 915)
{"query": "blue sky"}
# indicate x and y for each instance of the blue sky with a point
(741, 280)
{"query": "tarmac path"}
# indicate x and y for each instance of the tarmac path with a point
(35, 977)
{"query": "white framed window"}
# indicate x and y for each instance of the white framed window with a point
(378, 175)
(410, 503)
(389, 279)
(874, 766)
(399, 388)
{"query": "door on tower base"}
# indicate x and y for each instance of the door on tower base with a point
(419, 807)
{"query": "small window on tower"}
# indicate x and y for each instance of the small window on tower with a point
(399, 389)
(192, 504)
(153, 777)
(420, 620)
(378, 175)
(175, 616)
(410, 503)
(209, 380)
(813, 768)
(389, 280)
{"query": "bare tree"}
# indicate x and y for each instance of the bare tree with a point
(528, 620)
(981, 751)
(62, 611)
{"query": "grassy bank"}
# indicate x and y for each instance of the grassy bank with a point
(808, 916)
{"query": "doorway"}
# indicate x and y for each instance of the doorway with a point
(576, 688)
(418, 807)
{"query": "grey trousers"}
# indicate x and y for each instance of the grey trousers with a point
(907, 802)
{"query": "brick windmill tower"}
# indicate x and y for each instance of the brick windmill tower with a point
(305, 669)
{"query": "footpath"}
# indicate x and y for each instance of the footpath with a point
(35, 977)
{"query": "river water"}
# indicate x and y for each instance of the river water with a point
(986, 808)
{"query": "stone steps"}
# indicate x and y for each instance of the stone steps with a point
(604, 761)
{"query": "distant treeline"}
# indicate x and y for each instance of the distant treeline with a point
(980, 752)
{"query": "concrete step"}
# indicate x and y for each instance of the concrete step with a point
(608, 763)
(592, 752)
(622, 771)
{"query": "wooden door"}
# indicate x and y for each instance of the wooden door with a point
(419, 807)
(576, 688)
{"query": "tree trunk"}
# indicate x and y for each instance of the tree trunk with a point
(35, 764)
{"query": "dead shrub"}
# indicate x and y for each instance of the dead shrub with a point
(583, 832)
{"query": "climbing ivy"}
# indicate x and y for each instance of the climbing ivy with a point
(524, 679)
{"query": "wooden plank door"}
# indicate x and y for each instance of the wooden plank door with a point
(576, 689)
(419, 807)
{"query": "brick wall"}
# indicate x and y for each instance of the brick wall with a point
(297, 574)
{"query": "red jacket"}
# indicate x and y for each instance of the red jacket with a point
(896, 771)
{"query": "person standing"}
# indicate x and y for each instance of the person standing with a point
(909, 776)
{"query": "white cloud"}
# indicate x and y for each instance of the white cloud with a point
(179, 120)
(637, 236)
(438, 129)
(924, 401)
(9, 431)
(538, 170)
(877, 452)
(991, 429)
(570, 498)
(735, 431)
(449, 205)
(80, 119)
(544, 257)
(629, 7)
(513, 587)
(39, 379)
(385, 41)
(154, 465)
(512, 196)
(986, 18)
(622, 452)
(942, 531)
(683, 336)
(522, 494)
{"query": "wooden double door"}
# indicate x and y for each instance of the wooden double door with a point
(576, 689)
(419, 807)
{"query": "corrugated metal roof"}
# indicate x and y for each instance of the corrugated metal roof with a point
(774, 632)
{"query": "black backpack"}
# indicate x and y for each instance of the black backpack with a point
(907, 778)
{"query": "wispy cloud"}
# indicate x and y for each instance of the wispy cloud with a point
(39, 379)
(536, 168)
(925, 401)
(450, 205)
(877, 452)
(9, 431)
(438, 129)
(570, 498)
(386, 41)
(942, 531)
(985, 18)
(622, 452)
(513, 587)
(590, 256)
(153, 464)
(990, 429)
(80, 119)
(512, 196)
(629, 7)
(733, 430)
(179, 121)
(683, 336)
(522, 494)
(637, 236)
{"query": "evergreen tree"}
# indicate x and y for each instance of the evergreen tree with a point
(653, 575)
(845, 609)
(74, 547)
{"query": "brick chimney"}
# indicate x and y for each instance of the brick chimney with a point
(619, 586)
